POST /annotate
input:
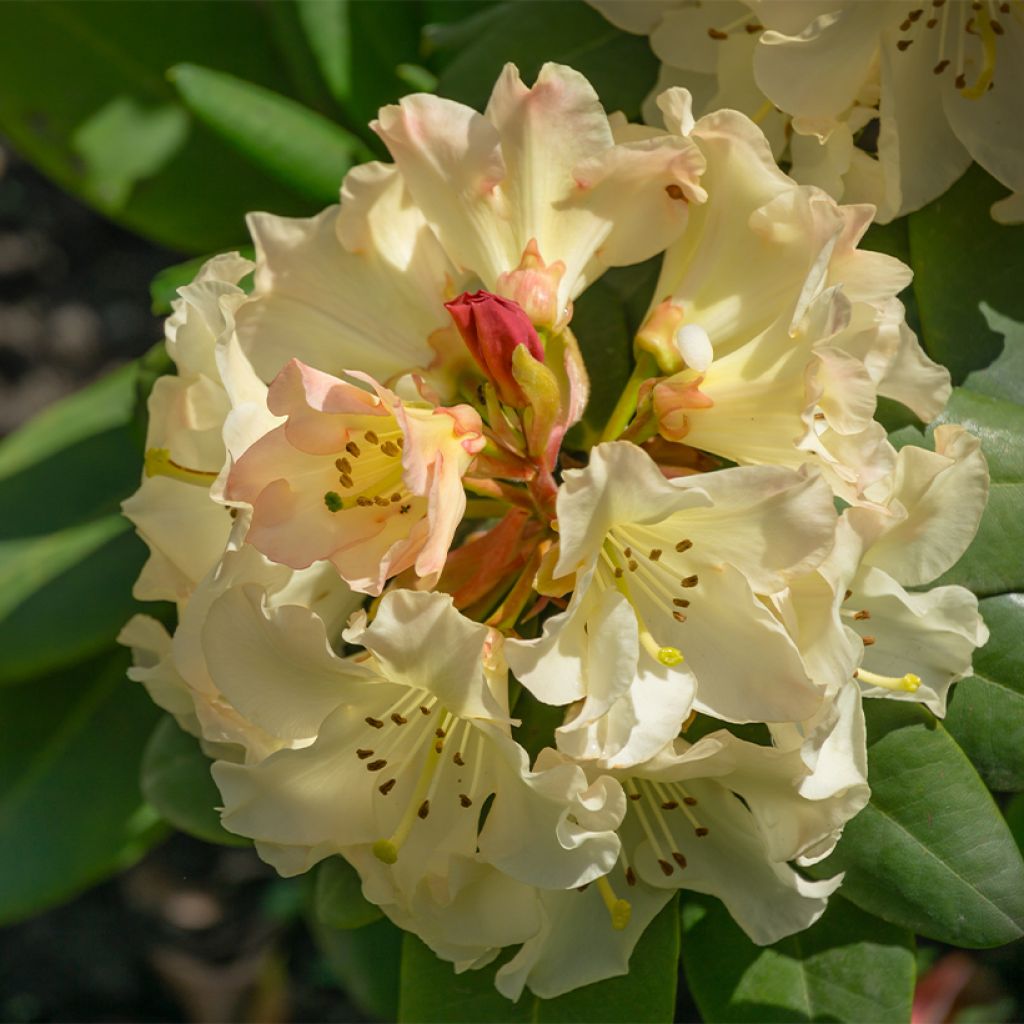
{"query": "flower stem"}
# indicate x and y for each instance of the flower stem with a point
(625, 407)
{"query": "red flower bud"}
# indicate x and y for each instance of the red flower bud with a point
(493, 328)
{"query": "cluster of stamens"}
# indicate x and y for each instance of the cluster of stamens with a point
(418, 727)
(907, 683)
(370, 474)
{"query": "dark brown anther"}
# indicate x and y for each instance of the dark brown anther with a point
(375, 722)
(701, 832)
(940, 67)
(862, 615)
(905, 25)
(381, 502)
(753, 27)
(666, 868)
(670, 805)
(634, 796)
(424, 711)
(914, 15)
(364, 754)
(684, 545)
(424, 809)
(679, 858)
(997, 28)
(386, 787)
(904, 44)
(457, 758)
(960, 81)
(848, 595)
(364, 502)
(618, 572)
(464, 800)
(689, 581)
(389, 448)
(655, 554)
(690, 801)
(345, 480)
(633, 565)
(674, 191)
(342, 466)
(396, 497)
(627, 552)
(630, 876)
(440, 733)
(868, 640)
(718, 34)
(398, 719)
(679, 616)
(680, 602)
(375, 766)
(353, 449)
(372, 437)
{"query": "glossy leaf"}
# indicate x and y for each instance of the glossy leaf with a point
(848, 967)
(931, 851)
(176, 780)
(962, 259)
(993, 564)
(1004, 378)
(620, 66)
(70, 807)
(986, 714)
(288, 140)
(338, 900)
(84, 97)
(360, 48)
(366, 961)
(432, 991)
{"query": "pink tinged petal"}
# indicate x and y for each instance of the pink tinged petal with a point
(450, 158)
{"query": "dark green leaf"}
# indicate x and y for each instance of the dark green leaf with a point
(293, 143)
(620, 66)
(993, 564)
(962, 259)
(176, 780)
(83, 96)
(70, 807)
(360, 48)
(1015, 818)
(431, 991)
(848, 967)
(338, 900)
(931, 851)
(986, 714)
(1003, 378)
(65, 596)
(366, 961)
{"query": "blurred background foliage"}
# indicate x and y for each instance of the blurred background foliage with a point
(173, 121)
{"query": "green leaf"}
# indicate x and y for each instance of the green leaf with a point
(163, 289)
(176, 780)
(848, 967)
(83, 96)
(65, 596)
(1003, 378)
(963, 259)
(431, 991)
(338, 899)
(366, 962)
(931, 851)
(620, 66)
(986, 713)
(70, 808)
(992, 564)
(360, 48)
(293, 143)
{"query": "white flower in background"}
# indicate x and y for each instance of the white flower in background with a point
(928, 87)
(672, 569)
(900, 644)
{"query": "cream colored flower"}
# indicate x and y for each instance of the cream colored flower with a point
(929, 87)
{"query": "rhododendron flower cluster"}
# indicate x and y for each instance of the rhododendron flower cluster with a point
(391, 539)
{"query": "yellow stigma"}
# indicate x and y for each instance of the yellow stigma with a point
(158, 462)
(988, 68)
(670, 656)
(908, 683)
(385, 850)
(619, 910)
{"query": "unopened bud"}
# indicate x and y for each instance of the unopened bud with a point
(658, 336)
(493, 328)
(533, 285)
